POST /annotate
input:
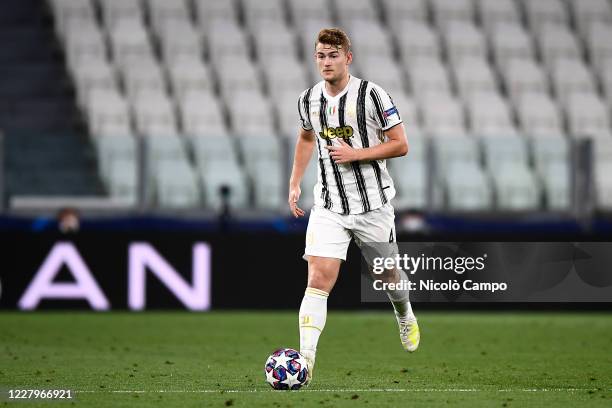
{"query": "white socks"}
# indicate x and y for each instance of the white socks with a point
(313, 313)
(401, 300)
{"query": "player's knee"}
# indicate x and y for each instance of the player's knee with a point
(322, 276)
(389, 276)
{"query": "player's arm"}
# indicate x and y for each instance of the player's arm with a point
(396, 145)
(303, 153)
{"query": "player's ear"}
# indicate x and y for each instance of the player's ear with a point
(349, 57)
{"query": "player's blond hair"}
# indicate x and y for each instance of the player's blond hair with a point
(334, 37)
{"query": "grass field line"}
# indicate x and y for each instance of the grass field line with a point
(349, 390)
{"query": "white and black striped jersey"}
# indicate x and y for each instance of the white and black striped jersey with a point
(359, 115)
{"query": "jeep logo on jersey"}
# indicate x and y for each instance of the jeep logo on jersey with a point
(344, 132)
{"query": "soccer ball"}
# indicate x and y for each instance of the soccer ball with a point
(286, 370)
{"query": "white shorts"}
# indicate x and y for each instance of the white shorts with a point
(329, 234)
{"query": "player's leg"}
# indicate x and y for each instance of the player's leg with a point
(377, 230)
(400, 299)
(322, 275)
(326, 244)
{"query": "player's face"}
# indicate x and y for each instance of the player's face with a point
(332, 62)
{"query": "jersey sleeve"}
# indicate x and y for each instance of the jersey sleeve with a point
(303, 112)
(383, 109)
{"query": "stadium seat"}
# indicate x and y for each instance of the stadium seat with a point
(489, 114)
(587, 116)
(606, 81)
(445, 11)
(285, 75)
(264, 13)
(442, 115)
(122, 180)
(557, 42)
(451, 150)
(70, 10)
(383, 71)
(539, 115)
(309, 180)
(467, 187)
(301, 11)
(250, 114)
(464, 40)
(226, 38)
(570, 77)
(369, 38)
(214, 175)
(352, 11)
(112, 128)
(116, 13)
(142, 75)
(237, 74)
(113, 148)
(600, 52)
(176, 185)
(428, 77)
(162, 12)
(307, 31)
(208, 149)
(549, 150)
(523, 76)
(129, 38)
(602, 150)
(494, 12)
(417, 40)
(154, 114)
(107, 112)
(188, 76)
(408, 112)
(90, 74)
(201, 115)
(288, 118)
(207, 11)
(410, 177)
(413, 128)
(556, 185)
(602, 167)
(589, 12)
(402, 12)
(161, 148)
(515, 187)
(268, 185)
(84, 38)
(544, 12)
(273, 40)
(510, 41)
(603, 185)
(179, 40)
(473, 75)
(502, 151)
(258, 148)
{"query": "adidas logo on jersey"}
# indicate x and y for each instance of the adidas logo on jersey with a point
(343, 132)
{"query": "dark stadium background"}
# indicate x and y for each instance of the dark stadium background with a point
(54, 149)
(147, 138)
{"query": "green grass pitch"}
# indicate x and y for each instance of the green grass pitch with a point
(216, 359)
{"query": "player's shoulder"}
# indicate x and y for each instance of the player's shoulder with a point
(376, 87)
(313, 90)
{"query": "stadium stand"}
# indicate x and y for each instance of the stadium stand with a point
(46, 151)
(499, 89)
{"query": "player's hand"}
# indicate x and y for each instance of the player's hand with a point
(343, 153)
(294, 196)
